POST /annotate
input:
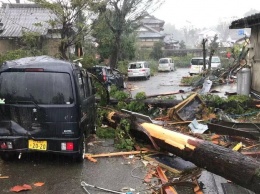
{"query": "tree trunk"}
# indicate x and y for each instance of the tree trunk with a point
(225, 162)
(116, 49)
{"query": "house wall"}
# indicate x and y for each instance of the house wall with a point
(7, 45)
(50, 46)
(254, 57)
(148, 42)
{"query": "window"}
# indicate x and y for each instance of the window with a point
(135, 65)
(163, 61)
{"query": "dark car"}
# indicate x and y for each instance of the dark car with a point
(108, 76)
(46, 105)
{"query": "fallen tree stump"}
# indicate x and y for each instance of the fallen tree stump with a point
(234, 166)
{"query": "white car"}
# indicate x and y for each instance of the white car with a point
(166, 64)
(196, 65)
(139, 69)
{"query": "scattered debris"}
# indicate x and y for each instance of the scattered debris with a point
(197, 127)
(206, 86)
(188, 109)
(237, 147)
(201, 152)
(84, 185)
(19, 188)
(39, 184)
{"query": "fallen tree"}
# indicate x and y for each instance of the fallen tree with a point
(234, 166)
(155, 102)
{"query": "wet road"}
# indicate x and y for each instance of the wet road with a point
(161, 83)
(62, 176)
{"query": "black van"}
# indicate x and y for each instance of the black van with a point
(46, 105)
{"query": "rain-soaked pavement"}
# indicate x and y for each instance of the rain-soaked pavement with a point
(61, 176)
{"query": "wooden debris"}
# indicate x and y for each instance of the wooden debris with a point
(117, 154)
(249, 147)
(164, 179)
(4, 177)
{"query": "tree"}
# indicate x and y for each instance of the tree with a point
(69, 15)
(213, 46)
(182, 45)
(157, 52)
(121, 15)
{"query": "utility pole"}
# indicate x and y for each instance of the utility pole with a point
(204, 40)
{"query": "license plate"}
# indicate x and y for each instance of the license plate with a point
(37, 145)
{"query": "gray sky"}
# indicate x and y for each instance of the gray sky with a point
(203, 13)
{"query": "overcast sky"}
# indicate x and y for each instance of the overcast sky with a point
(203, 13)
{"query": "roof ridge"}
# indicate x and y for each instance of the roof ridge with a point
(19, 5)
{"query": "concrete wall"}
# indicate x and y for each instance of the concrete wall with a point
(254, 57)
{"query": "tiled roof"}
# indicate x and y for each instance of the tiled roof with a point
(16, 18)
(246, 22)
(152, 20)
(150, 33)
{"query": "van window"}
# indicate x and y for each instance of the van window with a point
(39, 87)
(80, 86)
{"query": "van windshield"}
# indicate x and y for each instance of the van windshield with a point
(135, 65)
(39, 87)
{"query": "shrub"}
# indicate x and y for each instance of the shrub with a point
(12, 55)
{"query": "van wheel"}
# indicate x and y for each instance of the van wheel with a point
(79, 157)
(191, 74)
(8, 156)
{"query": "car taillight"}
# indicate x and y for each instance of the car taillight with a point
(67, 146)
(129, 70)
(6, 145)
(142, 69)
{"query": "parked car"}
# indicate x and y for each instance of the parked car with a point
(46, 105)
(166, 64)
(215, 62)
(196, 65)
(108, 76)
(139, 69)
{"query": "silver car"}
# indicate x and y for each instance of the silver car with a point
(166, 64)
(139, 69)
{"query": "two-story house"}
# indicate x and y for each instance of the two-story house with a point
(150, 31)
